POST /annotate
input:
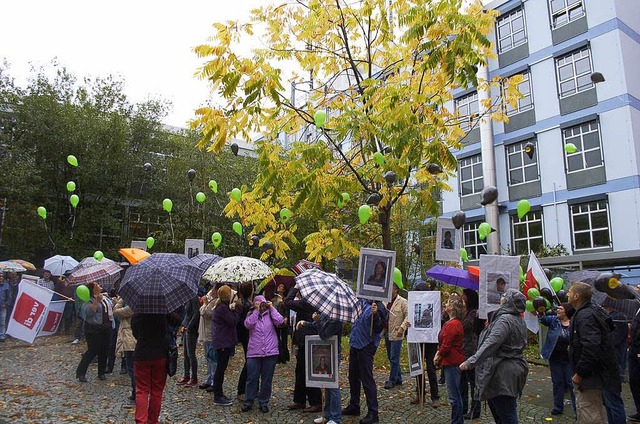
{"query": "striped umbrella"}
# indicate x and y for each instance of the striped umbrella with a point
(329, 294)
(105, 273)
(205, 260)
(8, 266)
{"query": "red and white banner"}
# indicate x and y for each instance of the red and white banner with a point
(536, 274)
(30, 311)
(53, 318)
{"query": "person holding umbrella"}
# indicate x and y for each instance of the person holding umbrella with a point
(98, 325)
(363, 343)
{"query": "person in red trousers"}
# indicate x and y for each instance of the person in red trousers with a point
(150, 363)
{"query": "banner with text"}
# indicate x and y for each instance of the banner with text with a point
(53, 318)
(29, 312)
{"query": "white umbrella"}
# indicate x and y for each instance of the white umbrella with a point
(57, 265)
(237, 269)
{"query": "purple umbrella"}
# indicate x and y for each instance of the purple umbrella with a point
(455, 276)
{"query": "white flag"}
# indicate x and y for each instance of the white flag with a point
(536, 274)
(29, 311)
(53, 318)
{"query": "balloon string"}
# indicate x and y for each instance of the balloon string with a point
(171, 224)
(204, 217)
(46, 228)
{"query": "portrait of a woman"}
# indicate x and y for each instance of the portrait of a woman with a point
(379, 274)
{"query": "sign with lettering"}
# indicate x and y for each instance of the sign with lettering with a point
(30, 311)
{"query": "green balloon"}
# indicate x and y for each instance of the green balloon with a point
(570, 148)
(464, 255)
(346, 197)
(213, 185)
(71, 186)
(216, 239)
(72, 160)
(237, 227)
(285, 215)
(556, 283)
(397, 278)
(98, 255)
(236, 194)
(74, 200)
(150, 242)
(529, 306)
(364, 213)
(42, 211)
(167, 205)
(484, 230)
(533, 293)
(82, 292)
(523, 208)
(378, 158)
(320, 118)
(200, 197)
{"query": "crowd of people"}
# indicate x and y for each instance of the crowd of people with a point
(481, 360)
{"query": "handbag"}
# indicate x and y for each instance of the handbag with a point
(172, 361)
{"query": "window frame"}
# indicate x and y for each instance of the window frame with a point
(526, 80)
(526, 221)
(468, 228)
(582, 151)
(473, 177)
(575, 76)
(522, 154)
(566, 10)
(511, 17)
(467, 120)
(590, 230)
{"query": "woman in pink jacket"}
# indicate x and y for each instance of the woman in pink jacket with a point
(262, 352)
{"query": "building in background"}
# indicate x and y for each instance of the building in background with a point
(579, 60)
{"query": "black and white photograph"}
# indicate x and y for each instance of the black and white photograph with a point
(321, 362)
(424, 311)
(375, 274)
(139, 244)
(193, 247)
(498, 273)
(415, 359)
(448, 241)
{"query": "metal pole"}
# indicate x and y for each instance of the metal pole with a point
(4, 209)
(488, 159)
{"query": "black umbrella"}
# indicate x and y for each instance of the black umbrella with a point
(626, 307)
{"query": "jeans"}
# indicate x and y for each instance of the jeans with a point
(332, 405)
(504, 409)
(361, 372)
(393, 354)
(615, 406)
(3, 320)
(128, 360)
(151, 377)
(468, 389)
(189, 343)
(218, 377)
(452, 378)
(211, 364)
(262, 369)
(561, 373)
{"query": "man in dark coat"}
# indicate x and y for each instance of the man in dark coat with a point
(593, 359)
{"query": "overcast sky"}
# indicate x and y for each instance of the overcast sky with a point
(149, 43)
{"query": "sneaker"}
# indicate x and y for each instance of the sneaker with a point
(192, 383)
(75, 341)
(245, 407)
(331, 422)
(222, 401)
(319, 420)
(184, 380)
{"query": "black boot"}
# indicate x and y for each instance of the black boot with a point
(474, 412)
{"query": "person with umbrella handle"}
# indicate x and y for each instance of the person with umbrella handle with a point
(362, 347)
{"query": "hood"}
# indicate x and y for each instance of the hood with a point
(259, 298)
(514, 303)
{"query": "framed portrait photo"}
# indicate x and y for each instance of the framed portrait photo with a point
(415, 359)
(375, 274)
(498, 273)
(321, 362)
(193, 247)
(424, 315)
(448, 241)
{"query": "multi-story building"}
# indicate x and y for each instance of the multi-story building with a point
(580, 85)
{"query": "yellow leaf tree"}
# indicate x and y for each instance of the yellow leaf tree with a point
(382, 73)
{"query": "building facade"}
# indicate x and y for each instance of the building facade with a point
(588, 201)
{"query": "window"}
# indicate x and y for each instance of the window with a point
(527, 233)
(574, 72)
(565, 11)
(526, 102)
(511, 30)
(471, 175)
(590, 225)
(467, 107)
(472, 243)
(521, 169)
(586, 138)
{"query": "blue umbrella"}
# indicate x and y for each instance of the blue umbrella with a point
(455, 276)
(205, 260)
(160, 284)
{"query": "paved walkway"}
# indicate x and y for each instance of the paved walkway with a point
(37, 385)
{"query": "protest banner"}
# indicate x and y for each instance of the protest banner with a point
(29, 311)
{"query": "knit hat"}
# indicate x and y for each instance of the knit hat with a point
(224, 293)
